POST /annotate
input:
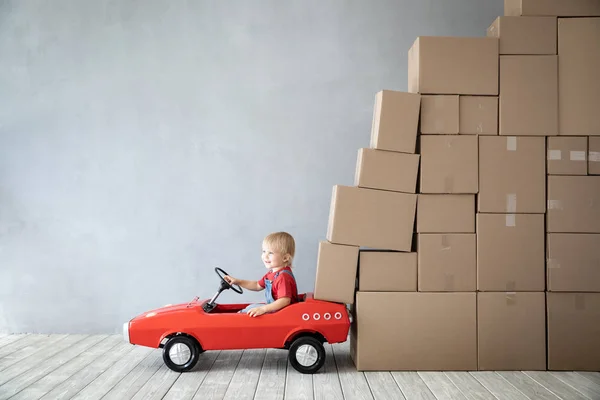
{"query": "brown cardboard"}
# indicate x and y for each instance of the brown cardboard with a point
(453, 65)
(447, 262)
(336, 272)
(567, 155)
(525, 35)
(528, 104)
(510, 253)
(439, 114)
(478, 115)
(395, 121)
(371, 218)
(414, 332)
(446, 213)
(511, 331)
(387, 271)
(573, 331)
(387, 170)
(560, 8)
(573, 262)
(578, 83)
(594, 156)
(449, 164)
(512, 173)
(573, 204)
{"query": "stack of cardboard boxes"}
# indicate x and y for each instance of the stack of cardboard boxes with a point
(471, 238)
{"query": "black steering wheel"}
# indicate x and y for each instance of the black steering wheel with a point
(225, 284)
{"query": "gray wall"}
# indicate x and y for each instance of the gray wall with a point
(143, 143)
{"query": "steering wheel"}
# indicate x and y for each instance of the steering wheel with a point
(226, 284)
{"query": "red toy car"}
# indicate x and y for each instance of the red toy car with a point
(184, 331)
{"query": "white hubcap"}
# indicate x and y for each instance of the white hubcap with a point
(307, 355)
(179, 353)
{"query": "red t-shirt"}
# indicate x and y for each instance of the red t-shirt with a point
(283, 286)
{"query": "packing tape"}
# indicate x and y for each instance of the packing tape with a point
(579, 301)
(554, 205)
(448, 184)
(449, 282)
(480, 125)
(511, 286)
(577, 155)
(511, 203)
(554, 155)
(511, 143)
(511, 220)
(552, 263)
(445, 242)
(594, 156)
(511, 298)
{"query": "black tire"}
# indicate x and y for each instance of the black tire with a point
(315, 356)
(185, 345)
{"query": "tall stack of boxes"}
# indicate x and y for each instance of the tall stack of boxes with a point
(471, 238)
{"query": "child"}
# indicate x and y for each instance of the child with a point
(277, 253)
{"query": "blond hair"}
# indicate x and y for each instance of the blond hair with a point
(282, 242)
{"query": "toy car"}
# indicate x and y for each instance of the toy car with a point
(186, 330)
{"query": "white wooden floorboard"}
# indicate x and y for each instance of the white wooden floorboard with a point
(326, 383)
(271, 383)
(412, 386)
(89, 373)
(158, 385)
(556, 386)
(36, 358)
(245, 379)
(25, 347)
(39, 371)
(441, 386)
(498, 386)
(66, 371)
(136, 378)
(592, 376)
(354, 385)
(218, 378)
(583, 385)
(12, 338)
(298, 386)
(383, 386)
(527, 386)
(187, 385)
(469, 386)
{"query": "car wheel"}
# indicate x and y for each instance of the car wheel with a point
(181, 353)
(307, 355)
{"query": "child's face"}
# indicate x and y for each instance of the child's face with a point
(273, 259)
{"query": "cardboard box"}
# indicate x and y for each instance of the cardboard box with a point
(449, 164)
(395, 121)
(510, 253)
(478, 115)
(594, 156)
(387, 271)
(573, 204)
(573, 331)
(560, 8)
(453, 65)
(511, 331)
(439, 114)
(447, 262)
(336, 272)
(573, 262)
(512, 173)
(371, 218)
(578, 77)
(414, 332)
(525, 35)
(567, 156)
(528, 95)
(387, 170)
(446, 213)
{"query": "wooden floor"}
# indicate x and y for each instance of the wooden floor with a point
(105, 367)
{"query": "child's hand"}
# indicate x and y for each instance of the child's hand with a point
(255, 312)
(231, 280)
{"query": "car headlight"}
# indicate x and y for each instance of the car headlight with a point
(126, 331)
